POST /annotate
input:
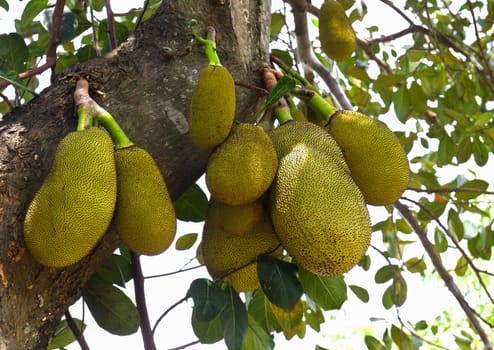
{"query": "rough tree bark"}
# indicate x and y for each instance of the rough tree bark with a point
(146, 85)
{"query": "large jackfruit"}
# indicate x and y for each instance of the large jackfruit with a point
(376, 159)
(318, 212)
(144, 217)
(234, 257)
(241, 169)
(336, 34)
(74, 206)
(212, 108)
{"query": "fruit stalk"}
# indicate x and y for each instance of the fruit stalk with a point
(209, 43)
(92, 114)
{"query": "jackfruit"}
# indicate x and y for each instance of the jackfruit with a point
(234, 257)
(144, 216)
(337, 37)
(317, 210)
(212, 108)
(74, 206)
(235, 220)
(376, 159)
(241, 169)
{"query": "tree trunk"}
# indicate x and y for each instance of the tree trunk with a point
(146, 85)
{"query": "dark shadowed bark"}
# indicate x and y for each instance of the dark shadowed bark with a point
(146, 85)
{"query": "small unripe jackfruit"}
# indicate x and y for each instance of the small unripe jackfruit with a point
(318, 212)
(241, 169)
(376, 159)
(74, 206)
(212, 108)
(234, 257)
(144, 217)
(235, 220)
(336, 34)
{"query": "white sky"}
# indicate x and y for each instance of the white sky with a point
(175, 330)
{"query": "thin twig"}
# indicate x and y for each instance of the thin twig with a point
(445, 275)
(181, 347)
(450, 190)
(76, 331)
(166, 313)
(140, 295)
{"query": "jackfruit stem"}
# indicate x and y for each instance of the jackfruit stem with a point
(317, 103)
(85, 119)
(118, 136)
(209, 43)
(283, 114)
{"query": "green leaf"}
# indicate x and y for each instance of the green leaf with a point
(68, 27)
(32, 9)
(328, 292)
(186, 241)
(480, 151)
(115, 269)
(277, 23)
(314, 318)
(283, 55)
(209, 299)
(476, 184)
(279, 281)
(284, 86)
(446, 149)
(63, 335)
(440, 241)
(399, 289)
(388, 80)
(192, 205)
(416, 265)
(360, 292)
(290, 320)
(234, 320)
(4, 4)
(257, 337)
(455, 225)
(13, 53)
(111, 308)
(385, 273)
(402, 339)
(373, 343)
(418, 99)
(207, 332)
(464, 150)
(387, 298)
(260, 309)
(97, 5)
(461, 266)
(401, 103)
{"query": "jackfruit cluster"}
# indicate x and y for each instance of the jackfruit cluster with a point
(89, 185)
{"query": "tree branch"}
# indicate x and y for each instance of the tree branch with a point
(445, 275)
(147, 333)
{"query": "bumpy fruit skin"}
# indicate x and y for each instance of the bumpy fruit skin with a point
(235, 220)
(144, 217)
(242, 168)
(376, 159)
(223, 252)
(212, 109)
(74, 206)
(336, 34)
(318, 212)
